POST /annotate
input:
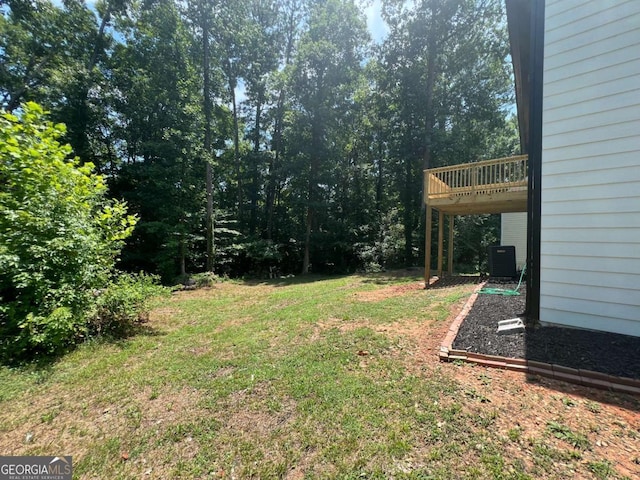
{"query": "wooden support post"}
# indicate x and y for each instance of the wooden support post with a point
(427, 249)
(440, 241)
(450, 246)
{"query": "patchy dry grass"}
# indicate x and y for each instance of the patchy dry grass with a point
(309, 378)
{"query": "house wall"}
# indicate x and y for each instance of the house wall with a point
(590, 224)
(513, 231)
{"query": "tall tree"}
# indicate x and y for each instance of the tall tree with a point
(263, 36)
(201, 16)
(325, 71)
(441, 58)
(32, 52)
(291, 14)
(230, 35)
(272, 116)
(54, 53)
(155, 97)
(208, 118)
(84, 112)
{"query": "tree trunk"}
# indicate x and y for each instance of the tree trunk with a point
(379, 179)
(274, 161)
(233, 83)
(183, 257)
(206, 92)
(79, 138)
(429, 120)
(271, 194)
(96, 47)
(408, 215)
(307, 241)
(429, 124)
(253, 218)
(316, 138)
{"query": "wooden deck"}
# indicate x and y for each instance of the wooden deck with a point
(489, 186)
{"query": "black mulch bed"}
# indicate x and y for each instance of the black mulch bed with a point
(608, 353)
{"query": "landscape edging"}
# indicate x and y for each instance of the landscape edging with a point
(587, 378)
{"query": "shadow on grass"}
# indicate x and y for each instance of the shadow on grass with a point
(122, 339)
(378, 278)
(392, 276)
(622, 400)
(43, 362)
(290, 280)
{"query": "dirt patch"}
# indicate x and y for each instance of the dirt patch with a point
(233, 323)
(165, 318)
(389, 292)
(164, 313)
(167, 407)
(168, 416)
(59, 420)
(337, 323)
(525, 411)
(259, 423)
(407, 328)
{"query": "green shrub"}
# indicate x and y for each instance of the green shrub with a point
(197, 280)
(59, 236)
(54, 332)
(124, 303)
(205, 279)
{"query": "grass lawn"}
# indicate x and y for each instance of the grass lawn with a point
(308, 378)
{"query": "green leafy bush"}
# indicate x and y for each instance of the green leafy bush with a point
(205, 279)
(124, 303)
(59, 236)
(53, 332)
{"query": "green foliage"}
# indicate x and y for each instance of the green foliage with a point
(563, 432)
(262, 257)
(32, 54)
(473, 235)
(280, 118)
(49, 333)
(593, 407)
(124, 303)
(204, 279)
(444, 83)
(59, 235)
(601, 469)
(162, 172)
(386, 250)
(197, 280)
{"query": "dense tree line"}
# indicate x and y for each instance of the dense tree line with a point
(268, 136)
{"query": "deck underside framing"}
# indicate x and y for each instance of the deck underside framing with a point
(446, 196)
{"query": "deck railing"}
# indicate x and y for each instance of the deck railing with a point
(484, 178)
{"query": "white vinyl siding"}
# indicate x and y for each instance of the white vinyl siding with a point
(590, 226)
(513, 231)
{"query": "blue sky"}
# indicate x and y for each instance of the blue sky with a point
(377, 28)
